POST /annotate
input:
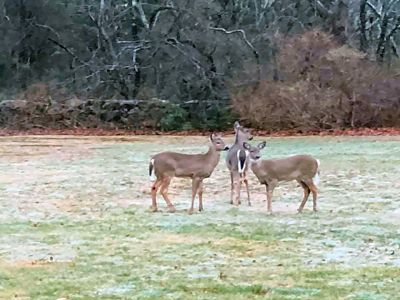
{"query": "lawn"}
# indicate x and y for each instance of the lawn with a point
(75, 224)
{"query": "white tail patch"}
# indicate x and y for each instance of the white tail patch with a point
(316, 178)
(240, 167)
(152, 175)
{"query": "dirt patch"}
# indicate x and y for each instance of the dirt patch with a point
(29, 264)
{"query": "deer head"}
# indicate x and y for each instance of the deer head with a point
(254, 151)
(242, 133)
(217, 142)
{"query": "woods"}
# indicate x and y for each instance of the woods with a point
(205, 51)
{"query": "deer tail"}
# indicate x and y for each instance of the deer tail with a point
(151, 169)
(316, 178)
(241, 160)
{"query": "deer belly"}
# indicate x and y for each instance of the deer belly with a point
(185, 172)
(290, 176)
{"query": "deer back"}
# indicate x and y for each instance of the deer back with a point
(174, 164)
(284, 169)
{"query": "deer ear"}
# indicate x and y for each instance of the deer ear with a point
(246, 146)
(262, 145)
(236, 125)
(212, 137)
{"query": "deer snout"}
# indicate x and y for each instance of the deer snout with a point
(226, 148)
(257, 157)
(250, 138)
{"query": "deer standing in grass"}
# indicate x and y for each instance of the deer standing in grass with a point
(238, 163)
(167, 165)
(302, 168)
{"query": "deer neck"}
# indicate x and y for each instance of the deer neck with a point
(239, 140)
(212, 157)
(255, 166)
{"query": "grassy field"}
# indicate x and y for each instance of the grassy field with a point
(74, 224)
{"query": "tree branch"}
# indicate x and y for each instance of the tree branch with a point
(103, 32)
(154, 17)
(374, 10)
(322, 10)
(243, 35)
(59, 43)
(139, 8)
(395, 28)
(173, 43)
(395, 48)
(66, 49)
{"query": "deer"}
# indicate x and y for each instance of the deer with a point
(238, 163)
(167, 165)
(302, 168)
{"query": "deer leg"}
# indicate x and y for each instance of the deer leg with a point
(306, 190)
(238, 191)
(314, 191)
(270, 189)
(164, 193)
(195, 186)
(232, 188)
(154, 189)
(246, 183)
(200, 193)
(266, 186)
(236, 184)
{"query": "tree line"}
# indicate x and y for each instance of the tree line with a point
(177, 50)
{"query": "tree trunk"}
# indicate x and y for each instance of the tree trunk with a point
(381, 49)
(340, 21)
(363, 26)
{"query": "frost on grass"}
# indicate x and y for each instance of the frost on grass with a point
(77, 210)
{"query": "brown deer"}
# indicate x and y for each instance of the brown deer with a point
(302, 168)
(167, 165)
(238, 163)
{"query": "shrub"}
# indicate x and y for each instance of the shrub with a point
(174, 118)
(323, 85)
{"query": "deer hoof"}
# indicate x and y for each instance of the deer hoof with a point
(315, 210)
(190, 211)
(153, 209)
(201, 209)
(171, 209)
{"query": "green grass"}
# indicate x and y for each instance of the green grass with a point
(75, 224)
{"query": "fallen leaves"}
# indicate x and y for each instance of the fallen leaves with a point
(122, 132)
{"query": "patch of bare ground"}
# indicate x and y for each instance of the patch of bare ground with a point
(28, 264)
